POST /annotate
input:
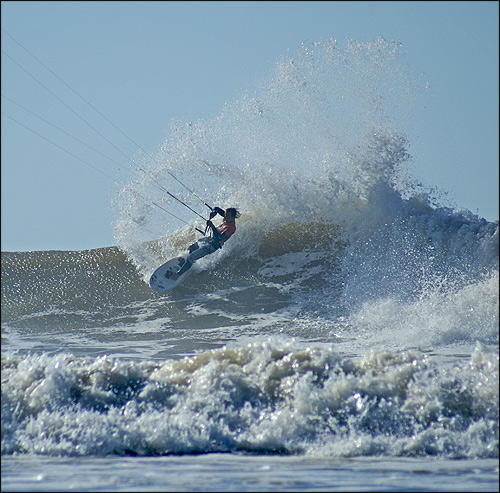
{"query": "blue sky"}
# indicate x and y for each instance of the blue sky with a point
(146, 64)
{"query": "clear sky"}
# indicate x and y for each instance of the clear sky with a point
(145, 64)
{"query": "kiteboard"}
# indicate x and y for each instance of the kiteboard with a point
(160, 280)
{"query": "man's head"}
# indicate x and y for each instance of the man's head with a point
(231, 214)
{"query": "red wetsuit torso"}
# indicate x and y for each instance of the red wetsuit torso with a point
(226, 230)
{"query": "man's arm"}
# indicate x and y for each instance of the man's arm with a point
(215, 211)
(218, 236)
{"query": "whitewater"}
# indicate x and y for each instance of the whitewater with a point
(346, 337)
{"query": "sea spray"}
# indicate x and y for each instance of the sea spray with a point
(289, 151)
(318, 161)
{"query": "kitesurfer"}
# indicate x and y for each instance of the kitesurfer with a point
(210, 244)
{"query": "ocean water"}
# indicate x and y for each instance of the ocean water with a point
(345, 338)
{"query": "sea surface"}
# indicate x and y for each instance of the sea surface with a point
(346, 338)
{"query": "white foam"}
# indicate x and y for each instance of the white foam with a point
(270, 396)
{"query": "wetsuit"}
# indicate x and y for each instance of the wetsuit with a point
(208, 244)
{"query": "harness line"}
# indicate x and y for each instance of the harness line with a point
(85, 144)
(91, 126)
(96, 110)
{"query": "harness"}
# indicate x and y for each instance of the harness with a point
(215, 237)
